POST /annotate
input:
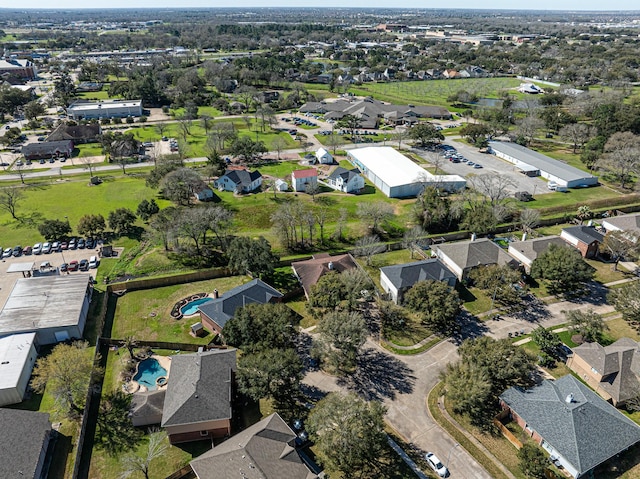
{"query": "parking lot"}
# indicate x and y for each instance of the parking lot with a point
(7, 280)
(491, 164)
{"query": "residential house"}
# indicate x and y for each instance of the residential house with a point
(265, 450)
(17, 358)
(215, 313)
(612, 371)
(204, 194)
(397, 279)
(302, 180)
(630, 223)
(324, 157)
(463, 256)
(47, 149)
(281, 185)
(530, 88)
(347, 181)
(309, 271)
(77, 133)
(239, 181)
(578, 428)
(200, 391)
(24, 444)
(526, 251)
(146, 407)
(585, 239)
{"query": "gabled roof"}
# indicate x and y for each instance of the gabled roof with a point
(479, 252)
(531, 248)
(585, 234)
(322, 152)
(199, 387)
(223, 308)
(406, 275)
(262, 451)
(21, 441)
(308, 173)
(242, 177)
(47, 147)
(75, 132)
(618, 363)
(586, 431)
(345, 174)
(310, 271)
(148, 403)
(624, 222)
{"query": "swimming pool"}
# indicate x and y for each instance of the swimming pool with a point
(148, 373)
(192, 307)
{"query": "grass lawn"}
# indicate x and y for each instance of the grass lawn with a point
(88, 149)
(473, 299)
(145, 314)
(95, 95)
(605, 272)
(412, 333)
(387, 258)
(568, 202)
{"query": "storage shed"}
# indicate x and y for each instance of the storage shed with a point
(17, 358)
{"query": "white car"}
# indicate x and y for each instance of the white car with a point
(93, 262)
(37, 248)
(436, 465)
(46, 248)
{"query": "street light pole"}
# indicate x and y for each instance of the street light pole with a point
(449, 455)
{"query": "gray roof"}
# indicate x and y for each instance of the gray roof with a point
(75, 132)
(479, 252)
(44, 302)
(344, 173)
(21, 441)
(262, 451)
(148, 403)
(586, 234)
(531, 248)
(223, 308)
(618, 363)
(625, 222)
(242, 177)
(199, 387)
(47, 148)
(309, 271)
(540, 161)
(586, 431)
(406, 275)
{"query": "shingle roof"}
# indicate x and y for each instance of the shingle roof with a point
(310, 271)
(223, 308)
(75, 132)
(21, 441)
(586, 234)
(47, 147)
(199, 387)
(586, 432)
(344, 173)
(469, 254)
(406, 275)
(625, 222)
(242, 177)
(262, 451)
(148, 403)
(531, 248)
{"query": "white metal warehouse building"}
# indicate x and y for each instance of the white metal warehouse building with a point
(396, 175)
(53, 307)
(17, 358)
(533, 163)
(105, 109)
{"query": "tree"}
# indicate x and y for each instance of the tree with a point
(577, 133)
(584, 213)
(342, 334)
(437, 303)
(115, 432)
(130, 343)
(368, 247)
(87, 163)
(533, 462)
(10, 198)
(160, 128)
(121, 220)
(588, 324)
(91, 225)
(261, 327)
(350, 123)
(433, 211)
(475, 132)
(374, 213)
(65, 373)
(220, 221)
(498, 282)
(414, 239)
(133, 463)
(621, 245)
(622, 157)
(339, 290)
(181, 185)
(247, 149)
(626, 300)
(392, 317)
(278, 144)
(272, 373)
(563, 268)
(426, 134)
(53, 230)
(193, 225)
(547, 340)
(469, 390)
(163, 225)
(34, 109)
(529, 219)
(146, 209)
(527, 129)
(348, 433)
(251, 256)
(496, 187)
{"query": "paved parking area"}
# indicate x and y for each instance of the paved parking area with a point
(7, 280)
(491, 164)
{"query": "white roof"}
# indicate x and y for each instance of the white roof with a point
(21, 267)
(14, 352)
(321, 152)
(394, 168)
(106, 105)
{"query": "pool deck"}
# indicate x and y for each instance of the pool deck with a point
(208, 296)
(135, 387)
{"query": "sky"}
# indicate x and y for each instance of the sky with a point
(572, 5)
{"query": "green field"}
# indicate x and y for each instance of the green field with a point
(95, 95)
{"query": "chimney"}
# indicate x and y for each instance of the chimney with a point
(330, 265)
(569, 398)
(215, 294)
(473, 236)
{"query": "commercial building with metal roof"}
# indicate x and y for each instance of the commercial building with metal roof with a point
(396, 175)
(53, 307)
(17, 358)
(533, 163)
(105, 109)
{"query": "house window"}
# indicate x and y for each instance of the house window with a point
(204, 433)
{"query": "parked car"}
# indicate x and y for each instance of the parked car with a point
(55, 246)
(436, 465)
(27, 250)
(64, 268)
(7, 253)
(81, 243)
(89, 243)
(73, 265)
(64, 246)
(45, 266)
(17, 250)
(46, 248)
(73, 244)
(93, 262)
(37, 248)
(83, 265)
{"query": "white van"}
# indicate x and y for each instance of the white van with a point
(552, 185)
(93, 262)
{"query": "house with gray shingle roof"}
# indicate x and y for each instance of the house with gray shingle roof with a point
(629, 223)
(24, 443)
(347, 181)
(215, 313)
(239, 181)
(397, 279)
(571, 422)
(612, 371)
(585, 239)
(309, 271)
(463, 256)
(265, 450)
(146, 407)
(527, 251)
(198, 401)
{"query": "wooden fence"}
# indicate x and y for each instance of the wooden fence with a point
(497, 421)
(158, 282)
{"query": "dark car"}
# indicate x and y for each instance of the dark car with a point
(81, 243)
(64, 267)
(89, 243)
(83, 265)
(17, 250)
(73, 266)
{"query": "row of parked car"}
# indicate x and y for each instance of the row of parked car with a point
(450, 153)
(50, 247)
